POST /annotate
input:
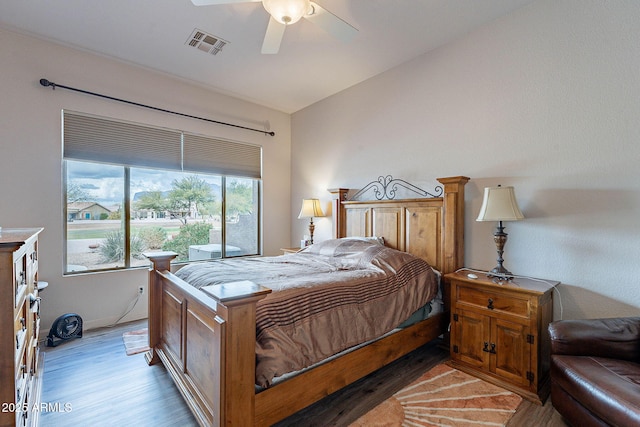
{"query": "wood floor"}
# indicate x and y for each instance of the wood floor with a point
(91, 382)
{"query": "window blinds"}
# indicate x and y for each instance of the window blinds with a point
(92, 138)
(230, 158)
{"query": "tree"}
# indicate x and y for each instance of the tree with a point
(153, 201)
(75, 193)
(186, 194)
(239, 198)
(211, 209)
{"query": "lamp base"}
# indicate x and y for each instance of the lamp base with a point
(500, 239)
(311, 228)
(500, 272)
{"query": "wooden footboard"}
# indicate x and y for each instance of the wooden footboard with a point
(206, 341)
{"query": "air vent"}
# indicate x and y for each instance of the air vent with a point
(206, 42)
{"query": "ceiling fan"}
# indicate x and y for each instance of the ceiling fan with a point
(288, 12)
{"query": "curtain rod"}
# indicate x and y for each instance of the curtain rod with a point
(45, 83)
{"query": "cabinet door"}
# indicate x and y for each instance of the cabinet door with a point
(511, 360)
(470, 332)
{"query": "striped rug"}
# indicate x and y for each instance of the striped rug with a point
(444, 396)
(136, 341)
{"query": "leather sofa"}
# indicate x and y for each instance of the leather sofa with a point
(595, 371)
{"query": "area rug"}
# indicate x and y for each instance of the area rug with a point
(444, 396)
(136, 341)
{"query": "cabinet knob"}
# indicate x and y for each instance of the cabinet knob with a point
(490, 304)
(33, 299)
(486, 347)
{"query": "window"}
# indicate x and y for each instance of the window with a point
(131, 189)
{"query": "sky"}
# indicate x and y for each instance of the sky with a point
(105, 183)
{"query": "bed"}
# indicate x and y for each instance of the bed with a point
(206, 338)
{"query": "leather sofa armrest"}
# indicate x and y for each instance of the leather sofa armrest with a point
(615, 338)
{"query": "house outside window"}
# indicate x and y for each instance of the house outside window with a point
(117, 210)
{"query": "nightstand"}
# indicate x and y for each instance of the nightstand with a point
(290, 250)
(499, 331)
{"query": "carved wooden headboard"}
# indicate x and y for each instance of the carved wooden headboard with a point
(430, 228)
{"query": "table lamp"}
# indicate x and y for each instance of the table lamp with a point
(499, 204)
(310, 209)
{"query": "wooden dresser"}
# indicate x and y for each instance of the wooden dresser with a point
(499, 331)
(20, 376)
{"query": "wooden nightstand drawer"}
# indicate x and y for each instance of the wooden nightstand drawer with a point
(494, 301)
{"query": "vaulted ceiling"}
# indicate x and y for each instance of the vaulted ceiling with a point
(310, 65)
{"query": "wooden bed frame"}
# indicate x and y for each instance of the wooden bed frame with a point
(206, 340)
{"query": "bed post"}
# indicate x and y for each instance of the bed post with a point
(338, 212)
(237, 306)
(160, 261)
(453, 234)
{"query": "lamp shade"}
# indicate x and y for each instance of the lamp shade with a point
(287, 11)
(310, 209)
(499, 204)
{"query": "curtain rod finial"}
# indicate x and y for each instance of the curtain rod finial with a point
(45, 83)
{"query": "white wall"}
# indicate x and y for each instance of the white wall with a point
(30, 157)
(546, 99)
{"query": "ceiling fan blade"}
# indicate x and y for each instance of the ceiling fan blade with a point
(331, 23)
(273, 37)
(211, 2)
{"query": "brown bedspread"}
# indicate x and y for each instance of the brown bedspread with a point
(325, 299)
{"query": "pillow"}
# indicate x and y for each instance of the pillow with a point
(341, 247)
(374, 239)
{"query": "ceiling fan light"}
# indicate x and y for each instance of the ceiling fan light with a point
(287, 11)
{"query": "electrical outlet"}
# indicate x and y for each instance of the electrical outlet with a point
(141, 290)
